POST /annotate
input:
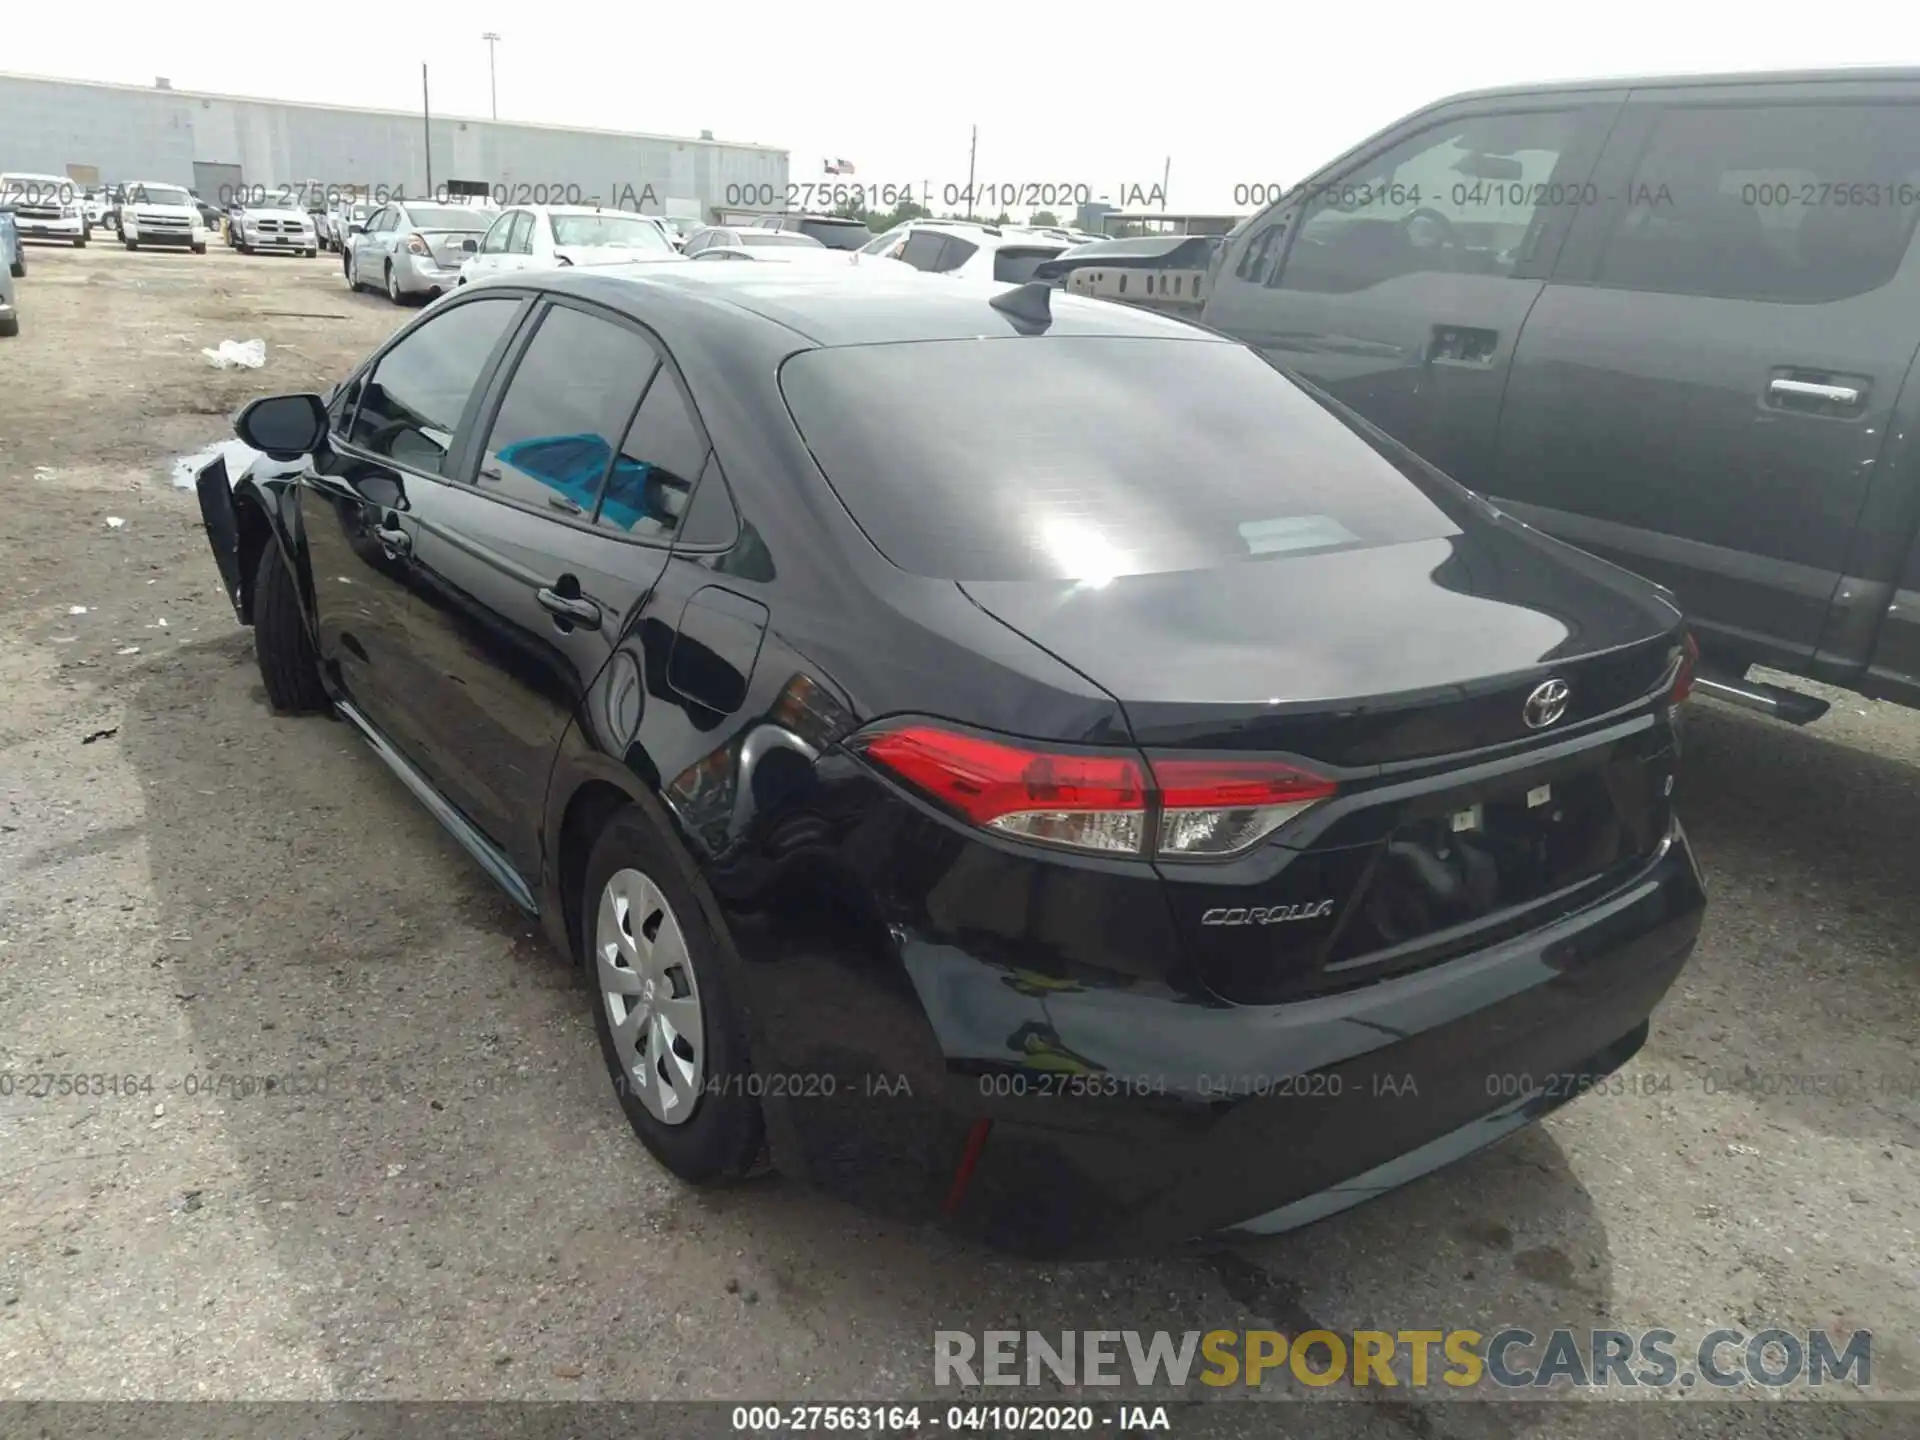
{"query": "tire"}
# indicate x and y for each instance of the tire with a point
(281, 645)
(132, 244)
(310, 253)
(346, 271)
(243, 248)
(9, 326)
(80, 243)
(719, 1137)
(393, 286)
(17, 269)
(199, 249)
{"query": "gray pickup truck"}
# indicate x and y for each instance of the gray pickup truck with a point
(1671, 321)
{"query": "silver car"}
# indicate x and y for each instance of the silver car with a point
(412, 249)
(13, 262)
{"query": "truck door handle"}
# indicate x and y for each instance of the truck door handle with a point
(1783, 389)
(574, 608)
(395, 541)
(1462, 345)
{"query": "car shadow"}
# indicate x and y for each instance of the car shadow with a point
(425, 1130)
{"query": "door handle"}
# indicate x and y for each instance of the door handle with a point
(395, 541)
(1783, 389)
(1462, 345)
(575, 608)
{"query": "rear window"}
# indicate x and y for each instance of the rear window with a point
(777, 237)
(448, 217)
(1090, 457)
(850, 236)
(1016, 267)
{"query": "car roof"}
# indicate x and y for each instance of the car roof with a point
(1908, 74)
(835, 305)
(991, 237)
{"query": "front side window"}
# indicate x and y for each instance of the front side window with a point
(520, 237)
(884, 244)
(1795, 203)
(413, 401)
(661, 457)
(574, 389)
(496, 241)
(1468, 196)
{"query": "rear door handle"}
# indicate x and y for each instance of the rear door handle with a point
(396, 541)
(1462, 345)
(576, 608)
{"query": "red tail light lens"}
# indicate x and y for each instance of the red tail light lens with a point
(1689, 662)
(417, 246)
(1220, 807)
(1104, 803)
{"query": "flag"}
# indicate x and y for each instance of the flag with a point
(838, 167)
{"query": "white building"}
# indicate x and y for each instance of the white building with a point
(222, 146)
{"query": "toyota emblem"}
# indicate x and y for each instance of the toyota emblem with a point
(1546, 704)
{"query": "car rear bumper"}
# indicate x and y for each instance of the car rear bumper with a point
(416, 275)
(1140, 1118)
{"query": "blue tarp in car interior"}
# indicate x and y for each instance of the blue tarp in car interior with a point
(573, 465)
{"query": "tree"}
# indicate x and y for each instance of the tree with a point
(1042, 218)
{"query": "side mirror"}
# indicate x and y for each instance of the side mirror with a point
(470, 247)
(357, 228)
(283, 426)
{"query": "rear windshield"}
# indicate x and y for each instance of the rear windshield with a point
(448, 217)
(1089, 457)
(850, 236)
(1016, 267)
(776, 237)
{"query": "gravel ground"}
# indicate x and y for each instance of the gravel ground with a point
(190, 888)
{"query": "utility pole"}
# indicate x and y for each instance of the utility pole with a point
(426, 125)
(1165, 171)
(493, 89)
(973, 149)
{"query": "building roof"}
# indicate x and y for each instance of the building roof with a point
(374, 110)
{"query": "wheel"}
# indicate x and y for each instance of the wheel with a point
(393, 286)
(672, 1034)
(17, 268)
(310, 252)
(132, 244)
(243, 247)
(280, 641)
(9, 325)
(200, 249)
(80, 241)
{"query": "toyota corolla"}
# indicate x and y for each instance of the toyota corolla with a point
(992, 754)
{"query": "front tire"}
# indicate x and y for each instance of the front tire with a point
(671, 1031)
(80, 241)
(132, 244)
(199, 249)
(9, 326)
(288, 666)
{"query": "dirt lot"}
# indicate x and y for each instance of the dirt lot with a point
(190, 887)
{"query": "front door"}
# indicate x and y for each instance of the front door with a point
(1399, 282)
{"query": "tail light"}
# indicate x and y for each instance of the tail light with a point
(417, 246)
(1686, 660)
(1110, 803)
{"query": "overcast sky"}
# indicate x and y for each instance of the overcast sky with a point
(1232, 93)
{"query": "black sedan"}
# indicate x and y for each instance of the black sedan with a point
(994, 754)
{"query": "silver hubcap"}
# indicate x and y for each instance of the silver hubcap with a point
(393, 286)
(645, 978)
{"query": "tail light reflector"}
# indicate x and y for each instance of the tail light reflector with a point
(1689, 662)
(1103, 803)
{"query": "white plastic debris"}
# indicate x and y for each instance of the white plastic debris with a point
(128, 650)
(238, 355)
(238, 455)
(162, 622)
(114, 522)
(76, 609)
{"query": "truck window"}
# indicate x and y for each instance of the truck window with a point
(1465, 196)
(1793, 203)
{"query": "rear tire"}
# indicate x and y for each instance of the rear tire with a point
(635, 893)
(281, 646)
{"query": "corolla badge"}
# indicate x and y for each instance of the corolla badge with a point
(1267, 914)
(1546, 704)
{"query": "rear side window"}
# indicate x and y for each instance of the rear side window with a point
(572, 392)
(652, 481)
(1790, 203)
(1084, 457)
(419, 389)
(956, 253)
(1016, 267)
(924, 248)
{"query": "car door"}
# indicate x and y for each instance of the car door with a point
(493, 245)
(1398, 279)
(531, 572)
(393, 427)
(367, 244)
(520, 242)
(1704, 392)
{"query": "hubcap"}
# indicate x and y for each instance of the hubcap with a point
(393, 286)
(645, 978)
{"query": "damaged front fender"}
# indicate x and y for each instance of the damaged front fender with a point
(245, 509)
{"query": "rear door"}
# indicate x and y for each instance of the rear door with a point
(1398, 280)
(1704, 391)
(535, 559)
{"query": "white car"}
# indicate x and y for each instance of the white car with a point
(970, 251)
(271, 224)
(45, 207)
(157, 214)
(539, 237)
